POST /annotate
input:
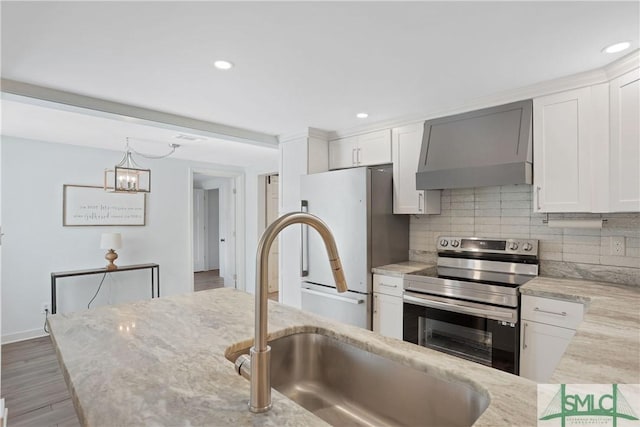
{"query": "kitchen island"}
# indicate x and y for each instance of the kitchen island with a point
(162, 362)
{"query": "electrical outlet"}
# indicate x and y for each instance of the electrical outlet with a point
(617, 245)
(44, 308)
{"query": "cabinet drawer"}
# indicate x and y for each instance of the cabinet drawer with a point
(565, 314)
(387, 285)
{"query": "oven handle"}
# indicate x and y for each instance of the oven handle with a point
(489, 314)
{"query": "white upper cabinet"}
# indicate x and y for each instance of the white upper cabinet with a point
(373, 148)
(405, 147)
(625, 143)
(342, 153)
(568, 128)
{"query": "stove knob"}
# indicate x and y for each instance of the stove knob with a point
(455, 243)
(527, 246)
(444, 243)
(513, 246)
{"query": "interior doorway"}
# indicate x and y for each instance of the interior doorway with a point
(214, 209)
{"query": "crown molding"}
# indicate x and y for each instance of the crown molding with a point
(574, 81)
(306, 133)
(623, 65)
(72, 102)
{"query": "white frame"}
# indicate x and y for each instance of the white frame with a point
(75, 198)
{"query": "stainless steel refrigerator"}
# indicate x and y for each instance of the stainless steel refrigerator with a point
(357, 205)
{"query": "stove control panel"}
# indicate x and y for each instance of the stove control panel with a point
(488, 245)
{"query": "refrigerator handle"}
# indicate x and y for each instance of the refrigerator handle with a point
(304, 243)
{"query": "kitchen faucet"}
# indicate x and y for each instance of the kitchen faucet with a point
(258, 371)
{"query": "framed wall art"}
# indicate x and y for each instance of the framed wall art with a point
(84, 205)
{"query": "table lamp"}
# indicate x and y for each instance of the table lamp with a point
(111, 241)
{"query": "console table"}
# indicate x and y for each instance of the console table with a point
(155, 278)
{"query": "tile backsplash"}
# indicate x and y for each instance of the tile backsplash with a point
(506, 211)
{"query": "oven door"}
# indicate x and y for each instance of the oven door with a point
(481, 333)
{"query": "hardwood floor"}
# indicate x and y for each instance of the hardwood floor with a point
(204, 280)
(33, 387)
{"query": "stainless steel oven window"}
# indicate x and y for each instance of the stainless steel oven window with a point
(468, 343)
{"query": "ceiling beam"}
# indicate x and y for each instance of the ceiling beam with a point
(67, 101)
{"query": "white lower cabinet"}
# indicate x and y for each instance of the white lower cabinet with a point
(387, 315)
(387, 306)
(541, 350)
(547, 327)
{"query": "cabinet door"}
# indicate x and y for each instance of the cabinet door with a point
(374, 148)
(387, 315)
(562, 152)
(541, 349)
(343, 153)
(405, 149)
(625, 143)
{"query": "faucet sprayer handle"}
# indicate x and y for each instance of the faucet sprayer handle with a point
(338, 275)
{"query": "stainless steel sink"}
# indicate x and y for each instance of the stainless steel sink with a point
(347, 386)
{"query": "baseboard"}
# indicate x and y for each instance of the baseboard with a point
(22, 336)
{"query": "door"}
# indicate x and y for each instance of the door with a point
(562, 152)
(387, 315)
(374, 148)
(625, 143)
(199, 230)
(474, 337)
(343, 152)
(272, 203)
(340, 199)
(213, 229)
(541, 349)
(406, 142)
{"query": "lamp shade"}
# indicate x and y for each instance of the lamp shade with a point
(111, 241)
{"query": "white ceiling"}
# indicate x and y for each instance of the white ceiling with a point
(300, 64)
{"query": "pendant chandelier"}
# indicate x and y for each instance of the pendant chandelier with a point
(129, 177)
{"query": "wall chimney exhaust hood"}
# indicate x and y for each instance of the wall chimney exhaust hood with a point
(480, 148)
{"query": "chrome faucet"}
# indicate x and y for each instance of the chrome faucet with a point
(258, 371)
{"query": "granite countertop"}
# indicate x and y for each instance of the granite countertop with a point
(401, 268)
(162, 362)
(606, 347)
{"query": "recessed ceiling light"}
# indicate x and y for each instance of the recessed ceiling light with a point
(616, 47)
(362, 115)
(223, 65)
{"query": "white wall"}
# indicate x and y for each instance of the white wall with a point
(36, 243)
(213, 224)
